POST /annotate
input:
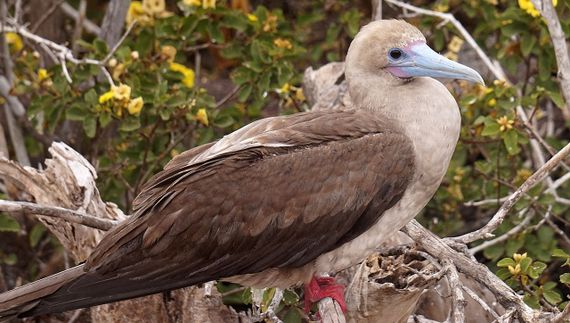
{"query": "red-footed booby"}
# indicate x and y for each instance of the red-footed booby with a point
(285, 199)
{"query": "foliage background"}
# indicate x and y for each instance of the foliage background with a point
(191, 71)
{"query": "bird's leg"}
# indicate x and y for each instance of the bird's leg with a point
(322, 287)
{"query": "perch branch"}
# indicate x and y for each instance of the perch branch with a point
(439, 249)
(58, 212)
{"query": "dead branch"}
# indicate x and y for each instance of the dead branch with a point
(558, 38)
(58, 212)
(439, 249)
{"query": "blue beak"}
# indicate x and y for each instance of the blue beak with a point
(420, 60)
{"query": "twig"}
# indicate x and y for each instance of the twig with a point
(516, 229)
(458, 300)
(118, 44)
(481, 302)
(58, 52)
(58, 212)
(560, 48)
(486, 201)
(498, 218)
(564, 316)
(89, 26)
(78, 26)
(227, 97)
(376, 9)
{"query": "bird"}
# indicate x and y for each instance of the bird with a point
(284, 200)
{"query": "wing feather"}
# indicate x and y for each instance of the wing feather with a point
(300, 186)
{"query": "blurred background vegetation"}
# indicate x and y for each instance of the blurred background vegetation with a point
(190, 71)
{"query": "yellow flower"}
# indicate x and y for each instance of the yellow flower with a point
(529, 8)
(251, 17)
(118, 71)
(518, 257)
(121, 92)
(106, 96)
(14, 41)
(208, 4)
(282, 43)
(514, 270)
(455, 44)
(135, 106)
(168, 52)
(202, 116)
(270, 24)
(135, 12)
(505, 124)
(451, 55)
(441, 7)
(188, 74)
(492, 102)
(153, 7)
(285, 88)
(300, 95)
(192, 2)
(42, 74)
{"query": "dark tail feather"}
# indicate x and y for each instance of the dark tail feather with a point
(17, 302)
(74, 288)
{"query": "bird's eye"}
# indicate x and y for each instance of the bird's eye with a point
(395, 53)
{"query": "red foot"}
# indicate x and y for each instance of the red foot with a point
(322, 287)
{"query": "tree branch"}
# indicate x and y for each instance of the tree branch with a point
(58, 212)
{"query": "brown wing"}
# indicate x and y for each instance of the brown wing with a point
(314, 181)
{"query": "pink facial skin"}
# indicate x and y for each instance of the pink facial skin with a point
(398, 71)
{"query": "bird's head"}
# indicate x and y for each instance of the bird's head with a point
(399, 50)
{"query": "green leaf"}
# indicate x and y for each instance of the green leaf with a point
(293, 316)
(491, 129)
(536, 269)
(545, 234)
(8, 224)
(557, 98)
(91, 97)
(494, 252)
(553, 297)
(100, 47)
(10, 259)
(223, 121)
(130, 124)
(565, 278)
(236, 21)
(525, 264)
(532, 301)
(215, 33)
(105, 118)
(503, 273)
(291, 298)
(75, 113)
(245, 92)
(510, 139)
(505, 262)
(36, 234)
(560, 253)
(90, 127)
(527, 44)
